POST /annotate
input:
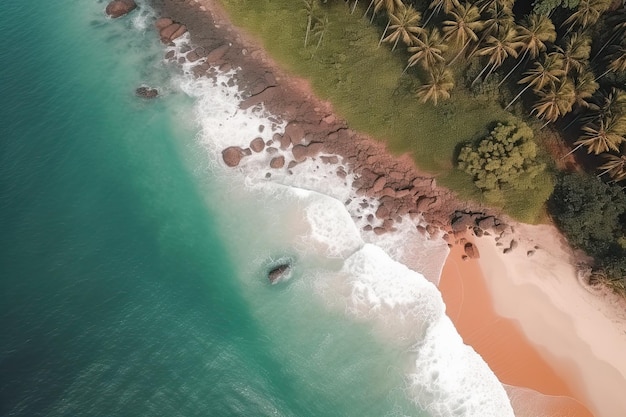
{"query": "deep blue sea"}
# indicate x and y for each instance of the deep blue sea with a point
(133, 264)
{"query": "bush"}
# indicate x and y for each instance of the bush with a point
(506, 159)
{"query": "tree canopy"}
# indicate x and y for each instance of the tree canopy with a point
(592, 214)
(507, 156)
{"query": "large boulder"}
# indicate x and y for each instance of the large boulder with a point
(119, 8)
(277, 162)
(171, 32)
(257, 145)
(232, 155)
(162, 23)
(379, 184)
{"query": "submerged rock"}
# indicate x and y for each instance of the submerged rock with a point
(278, 273)
(118, 8)
(146, 92)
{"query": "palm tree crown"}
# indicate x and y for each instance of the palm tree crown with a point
(576, 50)
(602, 137)
(404, 25)
(499, 48)
(534, 32)
(464, 27)
(556, 101)
(615, 166)
(428, 50)
(546, 72)
(464, 24)
(438, 87)
(587, 13)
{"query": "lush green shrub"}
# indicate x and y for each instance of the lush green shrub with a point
(592, 215)
(505, 158)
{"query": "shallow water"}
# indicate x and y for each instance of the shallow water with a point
(134, 265)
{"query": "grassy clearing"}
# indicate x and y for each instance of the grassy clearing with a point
(367, 88)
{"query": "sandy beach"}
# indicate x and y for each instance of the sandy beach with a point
(526, 312)
(579, 331)
(500, 340)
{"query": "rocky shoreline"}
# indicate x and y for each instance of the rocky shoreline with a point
(313, 128)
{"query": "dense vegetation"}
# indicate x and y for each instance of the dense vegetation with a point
(506, 162)
(449, 71)
(593, 216)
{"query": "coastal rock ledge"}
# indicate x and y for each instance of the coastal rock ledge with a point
(118, 8)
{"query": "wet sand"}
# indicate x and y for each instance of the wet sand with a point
(499, 340)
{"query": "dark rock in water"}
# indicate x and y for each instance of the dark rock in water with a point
(147, 92)
(232, 155)
(119, 8)
(278, 273)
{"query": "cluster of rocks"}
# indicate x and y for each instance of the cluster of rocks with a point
(313, 131)
(169, 29)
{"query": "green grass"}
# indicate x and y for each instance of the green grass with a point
(367, 88)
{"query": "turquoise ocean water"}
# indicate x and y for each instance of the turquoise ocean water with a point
(133, 266)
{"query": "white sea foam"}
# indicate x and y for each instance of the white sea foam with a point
(143, 17)
(318, 214)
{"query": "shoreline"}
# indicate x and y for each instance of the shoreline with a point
(313, 128)
(407, 191)
(579, 332)
(514, 359)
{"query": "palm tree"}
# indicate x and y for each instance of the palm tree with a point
(377, 5)
(606, 105)
(616, 58)
(438, 87)
(587, 13)
(615, 166)
(606, 135)
(557, 101)
(498, 49)
(534, 32)
(576, 50)
(500, 19)
(405, 26)
(603, 104)
(486, 4)
(428, 50)
(390, 6)
(547, 72)
(309, 7)
(354, 6)
(617, 21)
(464, 26)
(437, 5)
(585, 86)
(319, 30)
